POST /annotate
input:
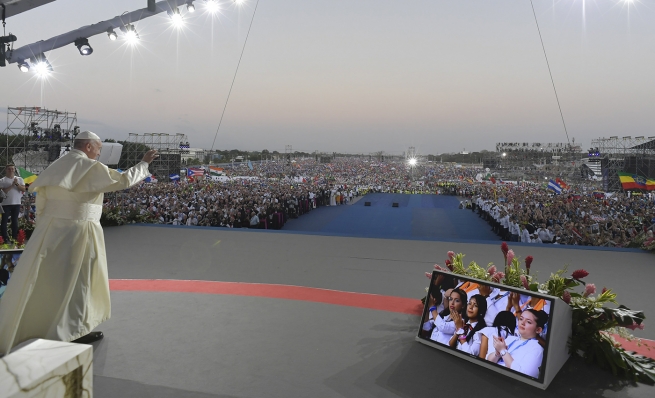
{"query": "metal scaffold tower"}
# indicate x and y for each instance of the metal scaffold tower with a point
(634, 155)
(170, 148)
(36, 137)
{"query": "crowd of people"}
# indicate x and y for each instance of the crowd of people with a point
(500, 326)
(534, 214)
(266, 195)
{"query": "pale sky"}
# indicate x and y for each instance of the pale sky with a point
(353, 76)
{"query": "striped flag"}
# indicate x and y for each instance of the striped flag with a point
(174, 177)
(555, 187)
(195, 172)
(628, 181)
(26, 175)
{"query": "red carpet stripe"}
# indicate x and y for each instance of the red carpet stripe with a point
(401, 305)
(336, 297)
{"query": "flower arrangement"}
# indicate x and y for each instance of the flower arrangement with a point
(18, 243)
(594, 321)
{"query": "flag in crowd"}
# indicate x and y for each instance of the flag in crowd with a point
(633, 181)
(174, 177)
(216, 171)
(195, 172)
(555, 187)
(26, 175)
(250, 165)
(561, 183)
(151, 178)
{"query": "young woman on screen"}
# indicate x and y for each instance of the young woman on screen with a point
(504, 325)
(444, 326)
(522, 353)
(466, 337)
(437, 300)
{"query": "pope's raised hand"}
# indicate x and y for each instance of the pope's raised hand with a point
(150, 156)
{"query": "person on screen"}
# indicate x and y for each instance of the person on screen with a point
(444, 326)
(522, 353)
(442, 287)
(504, 325)
(466, 337)
(520, 303)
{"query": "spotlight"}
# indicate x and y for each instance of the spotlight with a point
(24, 66)
(176, 17)
(41, 66)
(83, 46)
(190, 7)
(130, 34)
(212, 6)
(412, 162)
(112, 35)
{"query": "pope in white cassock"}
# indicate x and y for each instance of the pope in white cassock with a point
(60, 290)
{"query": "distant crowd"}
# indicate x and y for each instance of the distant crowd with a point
(267, 195)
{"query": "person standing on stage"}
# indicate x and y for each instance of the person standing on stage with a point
(14, 187)
(61, 290)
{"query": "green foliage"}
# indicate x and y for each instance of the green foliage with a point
(594, 318)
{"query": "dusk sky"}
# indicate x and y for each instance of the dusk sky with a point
(355, 76)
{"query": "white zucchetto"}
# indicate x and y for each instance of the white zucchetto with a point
(87, 135)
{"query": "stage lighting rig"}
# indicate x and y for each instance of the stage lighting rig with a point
(190, 7)
(212, 6)
(112, 34)
(41, 65)
(176, 17)
(24, 66)
(5, 40)
(83, 46)
(131, 35)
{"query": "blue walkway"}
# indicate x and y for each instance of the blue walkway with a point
(425, 217)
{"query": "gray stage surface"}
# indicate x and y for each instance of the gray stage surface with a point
(161, 344)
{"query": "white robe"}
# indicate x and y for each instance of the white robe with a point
(60, 288)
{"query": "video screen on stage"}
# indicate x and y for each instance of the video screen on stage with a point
(8, 263)
(506, 327)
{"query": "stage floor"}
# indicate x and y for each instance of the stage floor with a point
(247, 338)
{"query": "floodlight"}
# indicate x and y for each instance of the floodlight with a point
(83, 46)
(24, 66)
(176, 17)
(412, 162)
(41, 66)
(212, 6)
(112, 35)
(190, 7)
(504, 154)
(130, 34)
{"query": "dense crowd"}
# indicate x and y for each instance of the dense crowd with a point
(267, 195)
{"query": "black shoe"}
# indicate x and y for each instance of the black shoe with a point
(89, 338)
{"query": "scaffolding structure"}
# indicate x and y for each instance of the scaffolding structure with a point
(171, 147)
(36, 137)
(634, 155)
(535, 161)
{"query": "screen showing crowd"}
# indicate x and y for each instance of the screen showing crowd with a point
(506, 327)
(8, 262)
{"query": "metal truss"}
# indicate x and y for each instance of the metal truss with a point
(35, 137)
(171, 147)
(635, 155)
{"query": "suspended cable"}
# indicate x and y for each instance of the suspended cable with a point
(550, 73)
(235, 76)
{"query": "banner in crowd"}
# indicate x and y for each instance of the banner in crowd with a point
(26, 175)
(555, 187)
(195, 172)
(216, 171)
(633, 181)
